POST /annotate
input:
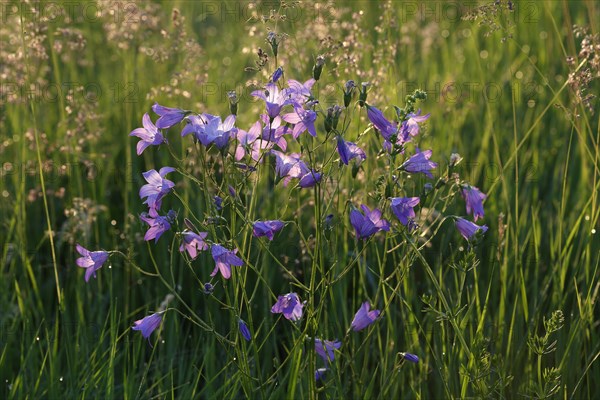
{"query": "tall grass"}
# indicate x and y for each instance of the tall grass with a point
(514, 316)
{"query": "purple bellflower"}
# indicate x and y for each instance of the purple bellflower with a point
(195, 124)
(289, 305)
(168, 116)
(419, 162)
(246, 139)
(224, 259)
(274, 99)
(403, 208)
(411, 125)
(148, 324)
(299, 93)
(368, 224)
(349, 150)
(193, 243)
(149, 135)
(267, 228)
(325, 349)
(474, 199)
(158, 224)
(388, 129)
(157, 186)
(310, 178)
(216, 132)
(303, 120)
(469, 229)
(364, 317)
(92, 261)
(272, 134)
(288, 166)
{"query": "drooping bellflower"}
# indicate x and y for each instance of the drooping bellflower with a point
(368, 224)
(168, 116)
(193, 242)
(325, 349)
(289, 305)
(224, 259)
(148, 324)
(92, 261)
(267, 228)
(474, 199)
(469, 229)
(157, 186)
(149, 135)
(419, 162)
(364, 317)
(403, 208)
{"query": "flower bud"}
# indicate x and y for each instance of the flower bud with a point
(272, 39)
(348, 91)
(363, 94)
(318, 68)
(277, 74)
(233, 102)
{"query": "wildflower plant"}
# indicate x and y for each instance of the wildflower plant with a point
(324, 176)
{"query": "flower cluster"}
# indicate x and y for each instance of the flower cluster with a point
(285, 134)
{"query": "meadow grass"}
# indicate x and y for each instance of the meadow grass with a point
(515, 316)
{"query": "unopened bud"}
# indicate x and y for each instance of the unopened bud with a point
(362, 98)
(318, 68)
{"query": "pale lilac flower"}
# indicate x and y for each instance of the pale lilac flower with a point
(246, 139)
(468, 229)
(299, 93)
(158, 224)
(216, 132)
(349, 150)
(244, 330)
(272, 134)
(403, 208)
(303, 120)
(419, 162)
(474, 199)
(325, 349)
(267, 228)
(364, 317)
(168, 116)
(195, 124)
(368, 224)
(148, 324)
(92, 261)
(289, 305)
(149, 135)
(224, 259)
(288, 166)
(411, 125)
(410, 357)
(157, 186)
(274, 99)
(193, 243)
